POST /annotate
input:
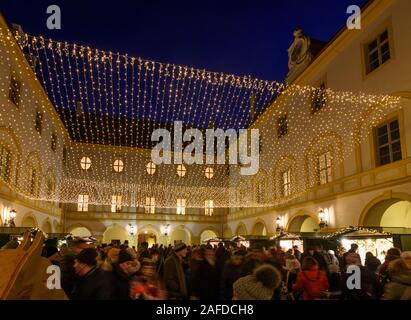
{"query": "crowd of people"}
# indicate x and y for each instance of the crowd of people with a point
(224, 272)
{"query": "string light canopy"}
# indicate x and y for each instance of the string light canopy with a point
(110, 103)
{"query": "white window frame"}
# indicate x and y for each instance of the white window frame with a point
(116, 202)
(181, 206)
(324, 171)
(209, 172)
(209, 207)
(150, 206)
(181, 170)
(118, 165)
(82, 203)
(85, 163)
(151, 168)
(286, 182)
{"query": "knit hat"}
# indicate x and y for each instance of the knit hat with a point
(87, 256)
(124, 256)
(180, 246)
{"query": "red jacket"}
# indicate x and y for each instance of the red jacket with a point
(312, 283)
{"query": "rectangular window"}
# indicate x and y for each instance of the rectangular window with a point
(287, 183)
(150, 206)
(5, 159)
(324, 168)
(388, 143)
(116, 203)
(39, 122)
(318, 98)
(53, 141)
(377, 51)
(181, 206)
(82, 204)
(282, 126)
(14, 90)
(209, 207)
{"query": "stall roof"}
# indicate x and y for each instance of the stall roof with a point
(358, 233)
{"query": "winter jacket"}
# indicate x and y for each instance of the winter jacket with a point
(120, 284)
(231, 274)
(207, 281)
(95, 285)
(399, 288)
(372, 264)
(312, 283)
(174, 277)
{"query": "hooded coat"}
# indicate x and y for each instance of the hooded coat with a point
(174, 277)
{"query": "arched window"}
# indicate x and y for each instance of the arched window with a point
(151, 168)
(118, 165)
(85, 163)
(209, 173)
(181, 170)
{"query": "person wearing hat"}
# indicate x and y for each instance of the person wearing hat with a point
(174, 277)
(93, 283)
(260, 285)
(123, 270)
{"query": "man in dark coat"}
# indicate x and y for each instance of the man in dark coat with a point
(123, 270)
(207, 277)
(174, 277)
(93, 283)
(231, 273)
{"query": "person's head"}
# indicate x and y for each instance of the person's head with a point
(127, 263)
(144, 245)
(85, 261)
(77, 245)
(112, 254)
(155, 255)
(209, 253)
(237, 258)
(392, 254)
(257, 251)
(310, 251)
(354, 247)
(309, 263)
(369, 255)
(181, 250)
(295, 248)
(196, 254)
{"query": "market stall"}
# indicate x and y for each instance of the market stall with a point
(288, 240)
(368, 240)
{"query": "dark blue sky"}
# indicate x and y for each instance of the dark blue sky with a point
(244, 37)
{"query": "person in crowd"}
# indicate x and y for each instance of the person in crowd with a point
(309, 252)
(280, 255)
(143, 252)
(369, 288)
(322, 258)
(311, 281)
(351, 256)
(382, 270)
(255, 258)
(293, 266)
(146, 285)
(66, 264)
(259, 285)
(222, 256)
(371, 262)
(333, 257)
(112, 257)
(93, 283)
(297, 253)
(197, 256)
(174, 277)
(206, 279)
(123, 270)
(399, 288)
(230, 274)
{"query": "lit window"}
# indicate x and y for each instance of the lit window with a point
(14, 90)
(151, 168)
(150, 206)
(325, 168)
(209, 207)
(85, 163)
(118, 165)
(116, 203)
(282, 126)
(286, 183)
(39, 122)
(377, 52)
(82, 204)
(5, 159)
(209, 173)
(388, 143)
(181, 206)
(181, 170)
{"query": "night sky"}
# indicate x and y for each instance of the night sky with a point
(243, 37)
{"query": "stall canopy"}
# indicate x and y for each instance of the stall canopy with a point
(358, 233)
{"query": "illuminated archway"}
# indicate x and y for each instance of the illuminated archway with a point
(30, 221)
(259, 229)
(207, 235)
(389, 210)
(115, 232)
(241, 230)
(81, 232)
(303, 222)
(46, 226)
(180, 234)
